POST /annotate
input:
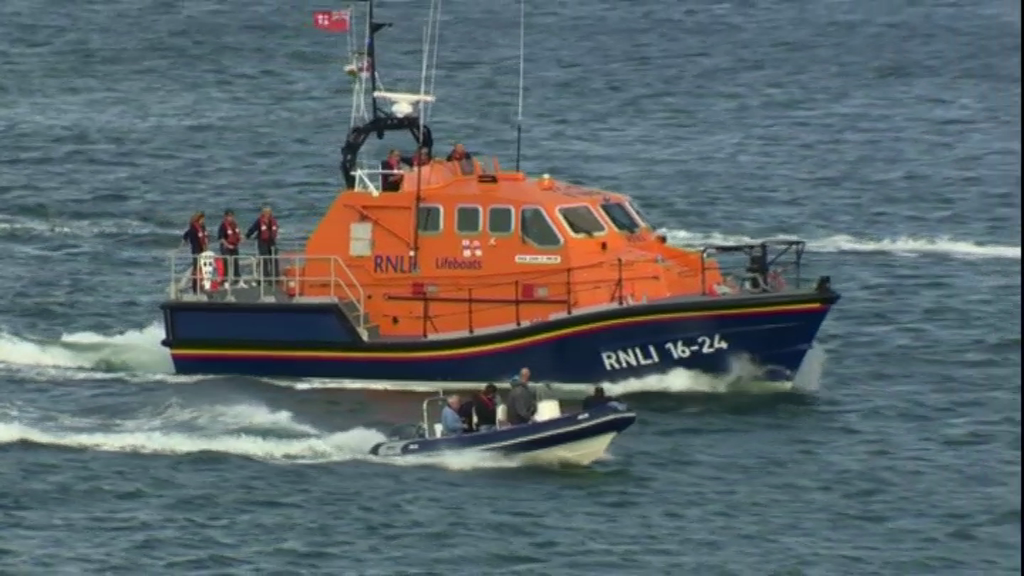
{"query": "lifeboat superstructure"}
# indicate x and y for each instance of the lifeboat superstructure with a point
(469, 271)
(468, 236)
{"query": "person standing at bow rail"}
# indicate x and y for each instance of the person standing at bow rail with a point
(230, 237)
(265, 230)
(195, 236)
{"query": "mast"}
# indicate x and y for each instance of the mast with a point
(522, 47)
(429, 34)
(371, 55)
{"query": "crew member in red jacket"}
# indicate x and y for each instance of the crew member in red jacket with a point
(230, 237)
(265, 230)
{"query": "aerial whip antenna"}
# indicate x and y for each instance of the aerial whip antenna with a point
(522, 46)
(436, 43)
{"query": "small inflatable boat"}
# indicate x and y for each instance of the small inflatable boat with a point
(553, 438)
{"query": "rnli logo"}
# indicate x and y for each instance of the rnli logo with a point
(447, 263)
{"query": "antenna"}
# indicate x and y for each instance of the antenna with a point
(433, 66)
(522, 46)
(371, 55)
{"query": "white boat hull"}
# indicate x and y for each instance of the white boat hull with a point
(580, 453)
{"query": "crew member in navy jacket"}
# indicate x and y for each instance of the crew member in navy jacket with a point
(265, 230)
(195, 236)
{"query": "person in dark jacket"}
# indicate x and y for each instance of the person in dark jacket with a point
(485, 408)
(596, 399)
(522, 402)
(195, 236)
(480, 413)
(265, 230)
(465, 412)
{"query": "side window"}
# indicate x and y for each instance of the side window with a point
(468, 219)
(537, 228)
(500, 220)
(620, 217)
(581, 220)
(429, 219)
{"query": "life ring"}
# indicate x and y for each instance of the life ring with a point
(210, 270)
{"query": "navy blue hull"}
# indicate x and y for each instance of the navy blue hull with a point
(611, 418)
(623, 344)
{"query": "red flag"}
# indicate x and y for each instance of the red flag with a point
(332, 21)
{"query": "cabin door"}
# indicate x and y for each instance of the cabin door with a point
(360, 239)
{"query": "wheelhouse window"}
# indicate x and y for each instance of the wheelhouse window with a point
(620, 217)
(537, 228)
(468, 219)
(644, 220)
(500, 220)
(429, 219)
(581, 220)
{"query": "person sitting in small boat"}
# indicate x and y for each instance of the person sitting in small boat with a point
(485, 408)
(522, 402)
(467, 412)
(598, 398)
(451, 423)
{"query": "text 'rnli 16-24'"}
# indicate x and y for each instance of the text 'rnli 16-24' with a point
(654, 353)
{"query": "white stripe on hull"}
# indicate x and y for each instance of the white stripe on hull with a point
(581, 452)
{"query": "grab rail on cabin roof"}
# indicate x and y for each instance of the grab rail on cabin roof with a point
(368, 174)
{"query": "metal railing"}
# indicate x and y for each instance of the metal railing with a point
(606, 283)
(367, 174)
(261, 278)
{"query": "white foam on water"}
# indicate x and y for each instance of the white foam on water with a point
(160, 435)
(899, 245)
(132, 350)
(742, 377)
(20, 226)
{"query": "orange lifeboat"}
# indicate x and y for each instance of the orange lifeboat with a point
(445, 267)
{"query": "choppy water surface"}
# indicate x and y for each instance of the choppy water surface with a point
(886, 133)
